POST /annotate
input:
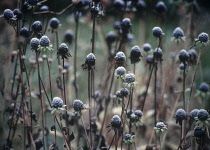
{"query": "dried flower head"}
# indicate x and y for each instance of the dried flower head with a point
(178, 35)
(34, 43)
(8, 14)
(69, 36)
(130, 79)
(135, 54)
(36, 27)
(180, 116)
(45, 44)
(57, 105)
(128, 139)
(160, 127)
(157, 54)
(184, 56)
(204, 87)
(124, 92)
(89, 62)
(157, 32)
(147, 47)
(120, 72)
(63, 51)
(78, 105)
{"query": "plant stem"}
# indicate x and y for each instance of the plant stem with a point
(75, 60)
(85, 131)
(90, 105)
(155, 100)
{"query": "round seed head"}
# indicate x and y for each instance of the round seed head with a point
(128, 113)
(130, 78)
(182, 66)
(117, 25)
(44, 8)
(78, 105)
(199, 132)
(94, 10)
(118, 94)
(138, 113)
(130, 37)
(69, 36)
(203, 37)
(193, 56)
(147, 47)
(36, 26)
(111, 37)
(133, 117)
(32, 2)
(193, 114)
(63, 49)
(126, 25)
(116, 121)
(150, 59)
(160, 125)
(54, 23)
(180, 114)
(160, 7)
(140, 5)
(120, 56)
(38, 143)
(183, 56)
(124, 92)
(127, 137)
(120, 71)
(57, 102)
(8, 14)
(90, 59)
(34, 43)
(204, 87)
(178, 33)
(44, 41)
(157, 54)
(24, 8)
(119, 5)
(135, 54)
(203, 115)
(18, 14)
(157, 32)
(24, 32)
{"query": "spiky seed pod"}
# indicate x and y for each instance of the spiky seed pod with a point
(203, 115)
(178, 32)
(54, 23)
(36, 27)
(157, 32)
(44, 41)
(38, 143)
(193, 114)
(192, 56)
(34, 43)
(160, 7)
(157, 54)
(130, 78)
(180, 115)
(18, 14)
(24, 32)
(110, 38)
(63, 51)
(147, 47)
(44, 8)
(199, 132)
(184, 56)
(116, 122)
(89, 62)
(135, 54)
(78, 105)
(8, 14)
(138, 113)
(124, 92)
(69, 36)
(120, 58)
(120, 71)
(57, 102)
(204, 87)
(150, 59)
(203, 37)
(126, 25)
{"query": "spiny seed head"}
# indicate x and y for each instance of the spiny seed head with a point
(203, 37)
(18, 14)
(57, 102)
(69, 36)
(54, 23)
(160, 7)
(182, 66)
(124, 92)
(138, 113)
(204, 87)
(160, 125)
(120, 71)
(32, 2)
(44, 41)
(157, 54)
(90, 59)
(180, 114)
(24, 32)
(118, 94)
(78, 105)
(128, 113)
(120, 56)
(126, 25)
(193, 56)
(127, 137)
(183, 56)
(34, 43)
(157, 32)
(178, 33)
(147, 47)
(150, 59)
(119, 5)
(116, 121)
(110, 37)
(193, 114)
(63, 48)
(199, 132)
(140, 5)
(133, 117)
(8, 14)
(44, 8)
(135, 54)
(203, 115)
(130, 78)
(36, 26)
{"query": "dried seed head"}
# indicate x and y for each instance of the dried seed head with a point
(135, 54)
(118, 94)
(118, 5)
(63, 51)
(128, 113)
(57, 102)
(34, 43)
(184, 56)
(157, 54)
(160, 7)
(180, 114)
(140, 5)
(116, 122)
(160, 125)
(157, 32)
(24, 32)
(130, 78)
(44, 8)
(78, 105)
(147, 47)
(193, 114)
(120, 71)
(193, 56)
(203, 115)
(203, 37)
(126, 25)
(18, 14)
(8, 14)
(32, 2)
(178, 32)
(44, 41)
(54, 23)
(150, 59)
(120, 56)
(36, 27)
(38, 143)
(138, 113)
(124, 92)
(199, 132)
(69, 36)
(110, 37)
(127, 137)
(204, 87)
(117, 25)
